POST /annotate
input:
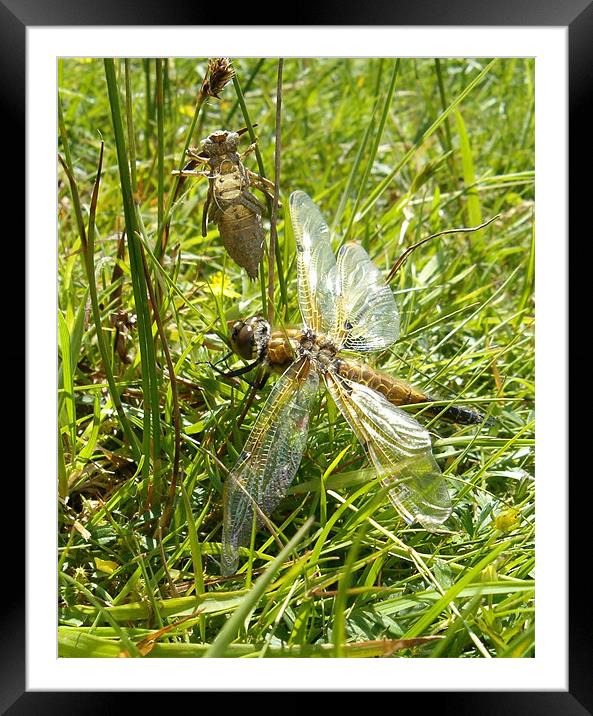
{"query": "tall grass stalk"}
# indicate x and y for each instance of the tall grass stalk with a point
(130, 125)
(274, 215)
(88, 252)
(159, 66)
(151, 420)
(262, 172)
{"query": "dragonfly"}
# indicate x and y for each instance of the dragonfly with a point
(347, 309)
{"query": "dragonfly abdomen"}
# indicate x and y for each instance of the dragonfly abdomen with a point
(395, 391)
(458, 414)
(398, 392)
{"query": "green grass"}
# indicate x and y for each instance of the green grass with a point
(391, 151)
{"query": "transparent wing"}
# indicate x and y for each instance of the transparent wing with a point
(316, 264)
(269, 460)
(367, 318)
(399, 448)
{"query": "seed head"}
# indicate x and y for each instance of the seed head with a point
(219, 72)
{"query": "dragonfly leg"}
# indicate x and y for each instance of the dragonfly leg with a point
(205, 214)
(189, 173)
(249, 201)
(248, 151)
(235, 373)
(263, 184)
(259, 181)
(262, 380)
(195, 155)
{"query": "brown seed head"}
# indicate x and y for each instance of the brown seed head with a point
(219, 72)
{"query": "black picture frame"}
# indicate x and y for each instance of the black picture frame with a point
(577, 17)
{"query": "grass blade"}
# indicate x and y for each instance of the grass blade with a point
(274, 215)
(339, 625)
(231, 628)
(474, 212)
(262, 172)
(89, 265)
(151, 419)
(160, 123)
(68, 394)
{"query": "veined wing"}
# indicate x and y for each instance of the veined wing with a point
(269, 460)
(399, 448)
(316, 264)
(367, 318)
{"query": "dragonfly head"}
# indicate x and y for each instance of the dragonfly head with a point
(249, 339)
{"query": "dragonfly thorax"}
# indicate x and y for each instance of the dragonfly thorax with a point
(318, 348)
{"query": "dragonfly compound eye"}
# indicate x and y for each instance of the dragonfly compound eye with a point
(249, 338)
